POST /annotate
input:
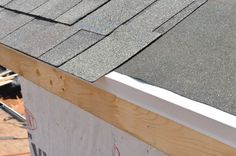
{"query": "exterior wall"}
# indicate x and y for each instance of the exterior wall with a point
(58, 128)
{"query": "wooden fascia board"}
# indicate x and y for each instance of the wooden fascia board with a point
(164, 134)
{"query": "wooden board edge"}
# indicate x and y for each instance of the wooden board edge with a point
(164, 134)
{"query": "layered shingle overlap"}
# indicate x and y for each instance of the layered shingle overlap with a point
(88, 38)
(182, 46)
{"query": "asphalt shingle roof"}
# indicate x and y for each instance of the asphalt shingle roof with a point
(4, 2)
(88, 38)
(196, 59)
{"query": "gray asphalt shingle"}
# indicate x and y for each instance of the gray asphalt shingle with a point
(54, 8)
(125, 42)
(180, 16)
(138, 24)
(38, 36)
(64, 11)
(25, 5)
(80, 10)
(196, 59)
(23, 36)
(12, 20)
(4, 2)
(112, 15)
(70, 47)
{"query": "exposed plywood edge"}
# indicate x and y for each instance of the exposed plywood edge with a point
(162, 133)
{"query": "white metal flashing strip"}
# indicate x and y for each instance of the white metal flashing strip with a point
(198, 116)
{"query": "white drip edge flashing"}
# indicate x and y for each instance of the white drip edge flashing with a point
(198, 116)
